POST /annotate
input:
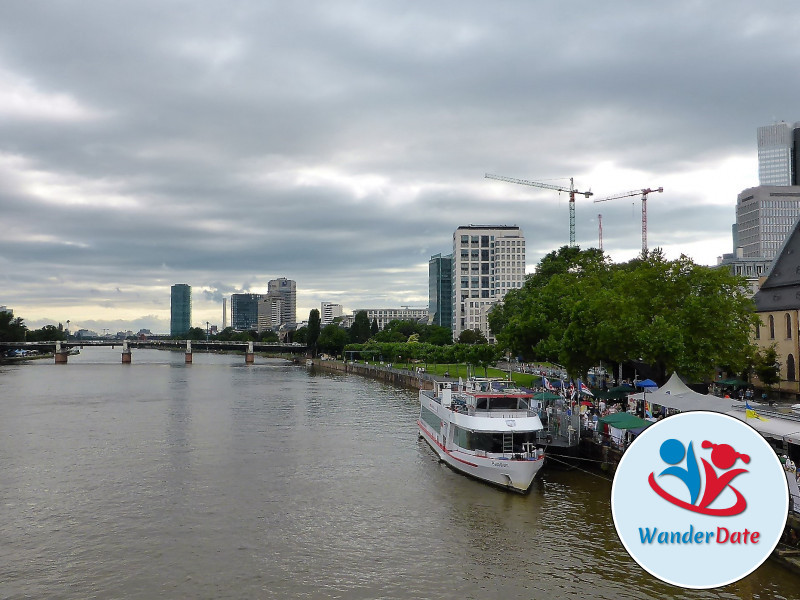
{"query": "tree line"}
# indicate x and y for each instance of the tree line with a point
(579, 309)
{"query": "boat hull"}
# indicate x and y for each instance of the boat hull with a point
(515, 475)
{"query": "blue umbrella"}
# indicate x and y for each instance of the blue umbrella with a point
(647, 383)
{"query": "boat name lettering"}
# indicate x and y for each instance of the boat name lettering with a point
(500, 463)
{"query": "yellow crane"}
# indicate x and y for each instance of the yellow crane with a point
(571, 189)
(644, 192)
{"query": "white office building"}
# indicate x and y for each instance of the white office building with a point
(764, 217)
(384, 315)
(330, 311)
(777, 154)
(488, 261)
(270, 312)
(288, 289)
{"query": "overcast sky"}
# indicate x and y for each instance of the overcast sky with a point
(226, 143)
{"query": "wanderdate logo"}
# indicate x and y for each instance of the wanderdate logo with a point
(699, 499)
(723, 457)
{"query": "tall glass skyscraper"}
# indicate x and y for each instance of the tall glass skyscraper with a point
(440, 290)
(180, 318)
(778, 154)
(244, 311)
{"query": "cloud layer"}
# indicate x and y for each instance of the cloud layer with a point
(223, 144)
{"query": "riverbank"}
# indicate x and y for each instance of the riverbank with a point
(606, 457)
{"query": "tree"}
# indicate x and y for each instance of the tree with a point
(483, 355)
(579, 309)
(332, 339)
(472, 336)
(766, 367)
(48, 333)
(312, 336)
(361, 329)
(374, 328)
(12, 329)
(268, 336)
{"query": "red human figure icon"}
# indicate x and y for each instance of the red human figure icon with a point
(724, 457)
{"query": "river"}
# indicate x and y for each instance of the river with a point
(224, 480)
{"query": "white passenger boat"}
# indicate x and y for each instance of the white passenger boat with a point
(485, 428)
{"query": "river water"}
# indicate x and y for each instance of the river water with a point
(224, 480)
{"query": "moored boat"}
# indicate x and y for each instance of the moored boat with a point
(486, 429)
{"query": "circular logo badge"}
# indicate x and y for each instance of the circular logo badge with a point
(699, 500)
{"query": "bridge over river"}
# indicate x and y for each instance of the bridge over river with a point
(62, 349)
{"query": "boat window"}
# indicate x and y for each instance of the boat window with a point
(504, 403)
(430, 419)
(482, 403)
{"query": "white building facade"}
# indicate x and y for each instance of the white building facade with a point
(330, 311)
(384, 315)
(288, 289)
(488, 261)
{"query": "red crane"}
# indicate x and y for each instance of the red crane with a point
(643, 193)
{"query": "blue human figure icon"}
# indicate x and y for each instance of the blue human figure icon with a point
(672, 453)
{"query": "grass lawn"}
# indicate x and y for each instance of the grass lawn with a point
(461, 370)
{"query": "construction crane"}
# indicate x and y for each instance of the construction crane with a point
(571, 189)
(643, 193)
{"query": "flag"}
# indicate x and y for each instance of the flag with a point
(749, 413)
(584, 389)
(572, 390)
(547, 385)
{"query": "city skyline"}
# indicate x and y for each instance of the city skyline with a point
(341, 145)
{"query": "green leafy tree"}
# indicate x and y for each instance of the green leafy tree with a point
(312, 337)
(483, 355)
(374, 327)
(472, 336)
(766, 367)
(12, 329)
(48, 333)
(268, 337)
(578, 309)
(361, 329)
(332, 339)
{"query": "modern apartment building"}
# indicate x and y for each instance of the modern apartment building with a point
(330, 311)
(244, 311)
(440, 290)
(488, 261)
(180, 309)
(287, 288)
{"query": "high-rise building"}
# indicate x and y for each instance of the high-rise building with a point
(244, 311)
(488, 261)
(180, 308)
(270, 309)
(440, 290)
(778, 156)
(288, 289)
(224, 313)
(764, 217)
(330, 311)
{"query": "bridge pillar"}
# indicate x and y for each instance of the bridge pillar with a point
(126, 353)
(249, 356)
(60, 355)
(188, 352)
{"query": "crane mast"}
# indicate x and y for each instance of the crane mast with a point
(571, 190)
(644, 192)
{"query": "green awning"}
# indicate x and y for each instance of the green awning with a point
(625, 420)
(546, 396)
(733, 382)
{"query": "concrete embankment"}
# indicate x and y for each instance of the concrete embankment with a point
(407, 379)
